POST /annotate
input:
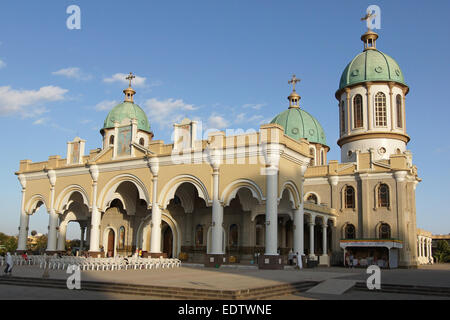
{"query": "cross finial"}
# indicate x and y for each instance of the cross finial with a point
(294, 81)
(369, 16)
(130, 77)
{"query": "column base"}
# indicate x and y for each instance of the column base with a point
(215, 260)
(155, 255)
(270, 262)
(96, 254)
(324, 260)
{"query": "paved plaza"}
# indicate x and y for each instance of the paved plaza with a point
(229, 279)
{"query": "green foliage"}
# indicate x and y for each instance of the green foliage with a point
(7, 243)
(442, 252)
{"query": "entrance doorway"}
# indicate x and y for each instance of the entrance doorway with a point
(167, 240)
(110, 252)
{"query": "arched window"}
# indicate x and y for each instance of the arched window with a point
(380, 110)
(312, 198)
(141, 141)
(199, 235)
(322, 157)
(234, 235)
(122, 237)
(383, 195)
(385, 231)
(111, 139)
(399, 111)
(350, 231)
(349, 197)
(312, 153)
(342, 113)
(358, 111)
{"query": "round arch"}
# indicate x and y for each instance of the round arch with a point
(109, 193)
(34, 204)
(230, 192)
(294, 194)
(145, 228)
(309, 193)
(62, 202)
(169, 190)
(105, 239)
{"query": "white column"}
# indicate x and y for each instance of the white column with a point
(94, 238)
(53, 216)
(217, 217)
(419, 240)
(312, 222)
(298, 229)
(271, 210)
(155, 238)
(430, 254)
(423, 247)
(324, 237)
(62, 236)
(82, 228)
(24, 218)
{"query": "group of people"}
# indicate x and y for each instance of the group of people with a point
(298, 257)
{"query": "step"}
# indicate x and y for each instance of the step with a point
(169, 292)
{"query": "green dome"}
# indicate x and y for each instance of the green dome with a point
(127, 110)
(371, 65)
(298, 124)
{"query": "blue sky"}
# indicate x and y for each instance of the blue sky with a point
(223, 62)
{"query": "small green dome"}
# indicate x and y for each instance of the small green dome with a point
(298, 124)
(127, 110)
(371, 65)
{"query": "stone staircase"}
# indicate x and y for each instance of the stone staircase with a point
(166, 291)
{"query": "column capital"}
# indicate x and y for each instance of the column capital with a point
(333, 180)
(51, 174)
(23, 181)
(400, 175)
(93, 170)
(153, 163)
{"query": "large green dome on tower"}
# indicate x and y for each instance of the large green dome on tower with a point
(298, 124)
(371, 65)
(127, 110)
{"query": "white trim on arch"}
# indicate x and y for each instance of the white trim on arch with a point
(229, 193)
(294, 196)
(168, 191)
(109, 190)
(62, 204)
(32, 204)
(314, 193)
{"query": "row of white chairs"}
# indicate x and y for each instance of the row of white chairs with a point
(90, 263)
(105, 264)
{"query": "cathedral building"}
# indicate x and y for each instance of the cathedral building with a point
(246, 198)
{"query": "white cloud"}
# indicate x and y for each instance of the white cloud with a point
(120, 77)
(41, 121)
(217, 122)
(166, 112)
(106, 105)
(72, 73)
(28, 103)
(254, 106)
(2, 64)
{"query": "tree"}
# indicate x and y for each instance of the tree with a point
(442, 252)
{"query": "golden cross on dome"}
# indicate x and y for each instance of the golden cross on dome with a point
(130, 77)
(369, 16)
(294, 81)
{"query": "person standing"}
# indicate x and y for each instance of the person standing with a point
(299, 260)
(9, 264)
